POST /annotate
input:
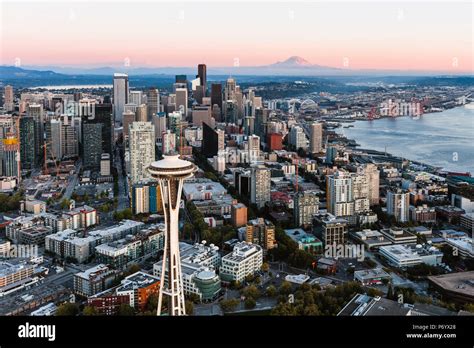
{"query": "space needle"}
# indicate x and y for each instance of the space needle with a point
(170, 173)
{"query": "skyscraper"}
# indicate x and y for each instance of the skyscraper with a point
(36, 112)
(202, 74)
(182, 101)
(398, 205)
(142, 150)
(121, 94)
(230, 88)
(27, 142)
(216, 96)
(213, 140)
(11, 157)
(103, 115)
(373, 180)
(297, 138)
(91, 145)
(260, 186)
(339, 194)
(316, 138)
(153, 103)
(253, 144)
(171, 172)
(306, 205)
(9, 104)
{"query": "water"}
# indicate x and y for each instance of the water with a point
(444, 139)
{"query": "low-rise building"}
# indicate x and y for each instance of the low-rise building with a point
(423, 214)
(403, 256)
(94, 280)
(372, 239)
(244, 260)
(397, 235)
(120, 253)
(199, 264)
(375, 276)
(305, 241)
(138, 287)
(14, 276)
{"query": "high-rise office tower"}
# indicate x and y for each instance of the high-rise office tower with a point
(297, 138)
(136, 97)
(36, 111)
(9, 104)
(249, 125)
(202, 113)
(103, 115)
(213, 140)
(230, 88)
(142, 113)
(54, 139)
(142, 150)
(27, 142)
(260, 186)
(216, 96)
(91, 145)
(398, 205)
(202, 74)
(182, 101)
(121, 94)
(70, 138)
(159, 121)
(153, 103)
(253, 144)
(230, 112)
(171, 172)
(316, 138)
(128, 118)
(306, 205)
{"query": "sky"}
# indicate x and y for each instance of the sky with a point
(405, 35)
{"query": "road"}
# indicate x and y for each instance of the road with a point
(73, 180)
(123, 202)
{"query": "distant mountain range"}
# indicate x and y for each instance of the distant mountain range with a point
(293, 66)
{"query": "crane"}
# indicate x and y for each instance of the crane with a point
(45, 149)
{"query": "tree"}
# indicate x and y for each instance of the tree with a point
(229, 305)
(251, 291)
(133, 268)
(126, 310)
(152, 303)
(67, 309)
(285, 288)
(189, 306)
(65, 203)
(271, 291)
(250, 303)
(89, 310)
(265, 267)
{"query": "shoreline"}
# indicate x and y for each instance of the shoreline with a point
(371, 151)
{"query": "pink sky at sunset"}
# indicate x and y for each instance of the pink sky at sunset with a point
(405, 36)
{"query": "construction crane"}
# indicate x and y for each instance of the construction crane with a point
(45, 149)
